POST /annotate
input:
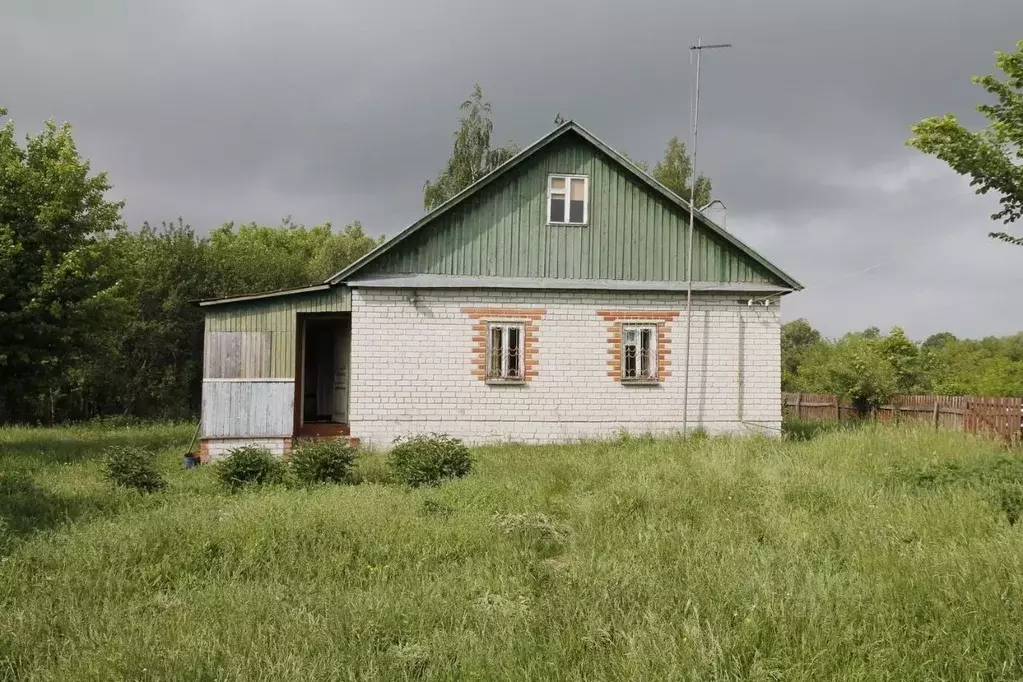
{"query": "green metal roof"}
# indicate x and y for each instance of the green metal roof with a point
(467, 195)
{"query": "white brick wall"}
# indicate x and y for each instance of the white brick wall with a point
(218, 448)
(412, 368)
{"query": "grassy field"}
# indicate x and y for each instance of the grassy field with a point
(874, 554)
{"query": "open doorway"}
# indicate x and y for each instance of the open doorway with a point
(322, 382)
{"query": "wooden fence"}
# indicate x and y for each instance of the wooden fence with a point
(998, 417)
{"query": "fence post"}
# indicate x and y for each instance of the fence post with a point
(935, 413)
(838, 410)
(799, 406)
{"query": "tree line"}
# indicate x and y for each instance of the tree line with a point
(97, 319)
(868, 367)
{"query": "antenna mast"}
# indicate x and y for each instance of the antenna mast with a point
(699, 47)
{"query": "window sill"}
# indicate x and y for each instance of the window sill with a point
(550, 224)
(640, 382)
(506, 382)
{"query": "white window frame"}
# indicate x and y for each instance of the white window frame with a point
(568, 198)
(639, 328)
(501, 375)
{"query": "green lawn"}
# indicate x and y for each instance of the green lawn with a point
(870, 554)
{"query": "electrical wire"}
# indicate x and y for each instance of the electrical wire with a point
(814, 287)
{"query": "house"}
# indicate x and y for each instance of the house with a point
(546, 302)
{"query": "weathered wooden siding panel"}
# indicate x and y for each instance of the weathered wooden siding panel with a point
(633, 233)
(276, 318)
(237, 355)
(247, 409)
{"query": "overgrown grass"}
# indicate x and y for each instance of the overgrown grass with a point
(850, 555)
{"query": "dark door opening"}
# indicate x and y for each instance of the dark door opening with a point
(323, 385)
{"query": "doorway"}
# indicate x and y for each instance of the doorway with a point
(322, 382)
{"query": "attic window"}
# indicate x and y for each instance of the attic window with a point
(568, 199)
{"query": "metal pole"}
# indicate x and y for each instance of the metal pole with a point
(699, 47)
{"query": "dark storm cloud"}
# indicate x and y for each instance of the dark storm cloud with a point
(218, 110)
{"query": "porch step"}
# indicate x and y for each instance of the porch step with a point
(323, 430)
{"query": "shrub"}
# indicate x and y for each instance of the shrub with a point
(250, 465)
(429, 460)
(133, 467)
(324, 462)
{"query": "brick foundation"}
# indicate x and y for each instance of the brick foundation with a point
(212, 449)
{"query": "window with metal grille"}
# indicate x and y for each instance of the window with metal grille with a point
(568, 199)
(504, 351)
(639, 352)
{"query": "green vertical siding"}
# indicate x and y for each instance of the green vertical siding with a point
(278, 317)
(633, 233)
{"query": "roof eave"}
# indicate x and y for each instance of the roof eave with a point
(263, 295)
(554, 284)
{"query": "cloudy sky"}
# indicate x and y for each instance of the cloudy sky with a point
(220, 110)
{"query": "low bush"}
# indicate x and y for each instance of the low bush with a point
(133, 467)
(324, 462)
(250, 465)
(429, 460)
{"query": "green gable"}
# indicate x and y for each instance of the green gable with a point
(636, 229)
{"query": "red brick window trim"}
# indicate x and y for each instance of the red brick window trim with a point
(659, 320)
(486, 321)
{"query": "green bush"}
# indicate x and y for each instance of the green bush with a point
(429, 460)
(250, 465)
(324, 462)
(132, 467)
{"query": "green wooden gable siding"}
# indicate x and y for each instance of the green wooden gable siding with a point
(633, 233)
(278, 317)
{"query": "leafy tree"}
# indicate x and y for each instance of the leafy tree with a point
(239, 255)
(157, 341)
(1012, 347)
(472, 156)
(854, 368)
(990, 157)
(938, 340)
(53, 212)
(675, 172)
(872, 333)
(999, 376)
(903, 355)
(797, 338)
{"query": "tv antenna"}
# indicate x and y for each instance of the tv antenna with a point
(698, 48)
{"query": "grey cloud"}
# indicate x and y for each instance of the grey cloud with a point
(218, 110)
